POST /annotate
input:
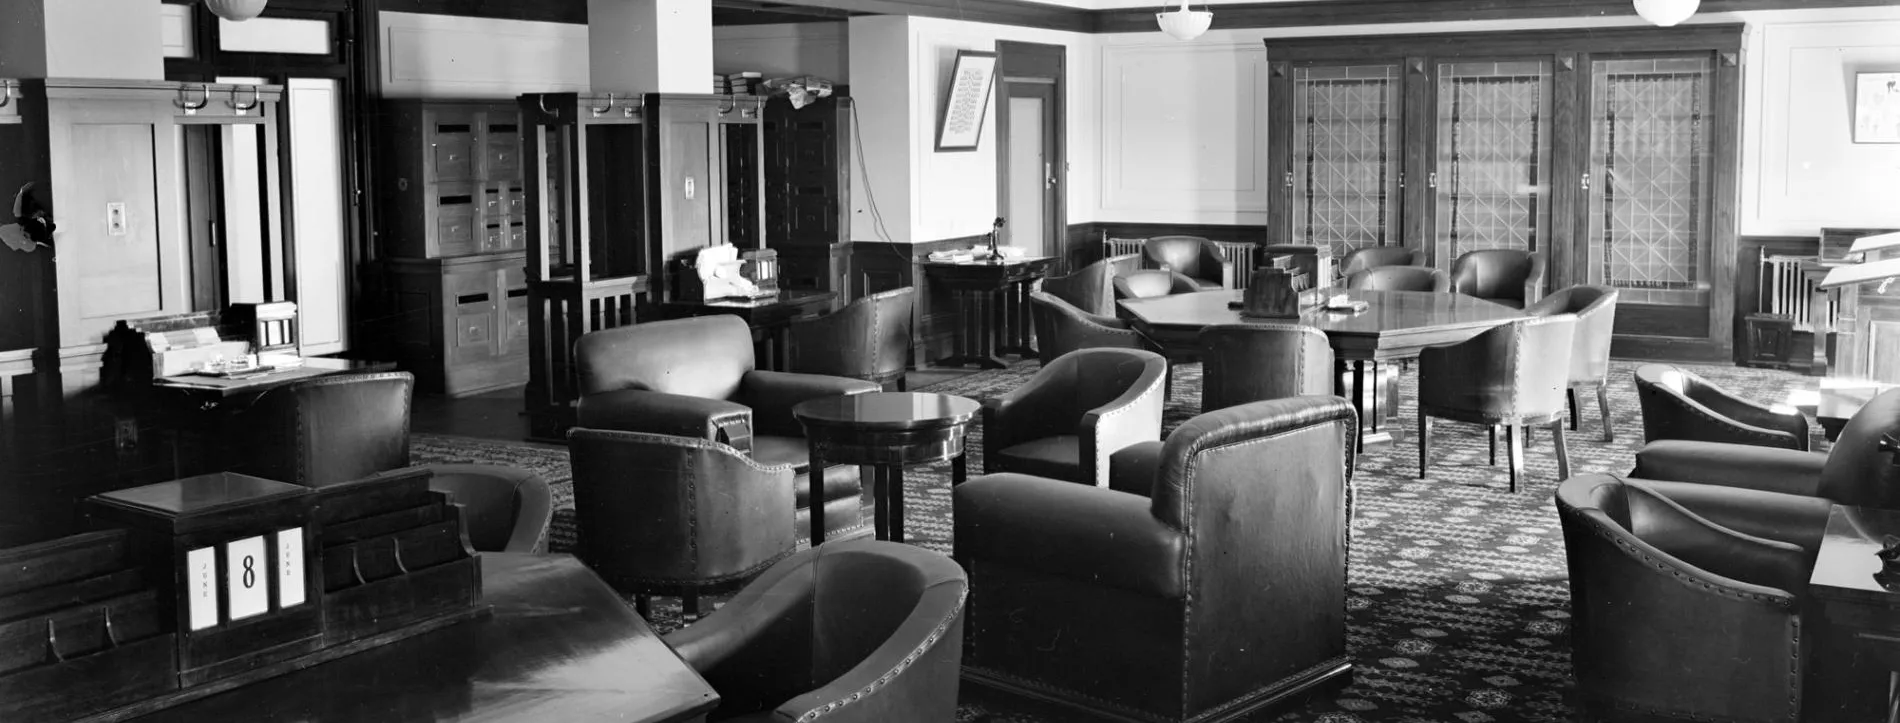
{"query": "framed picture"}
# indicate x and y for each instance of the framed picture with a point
(966, 101)
(1877, 107)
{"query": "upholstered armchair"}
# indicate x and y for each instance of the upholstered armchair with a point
(1510, 277)
(1079, 409)
(1148, 283)
(848, 632)
(1243, 363)
(1062, 328)
(1679, 404)
(1399, 278)
(669, 515)
(1595, 309)
(1675, 617)
(1372, 257)
(336, 429)
(696, 378)
(868, 339)
(1511, 375)
(1089, 288)
(1197, 258)
(1216, 588)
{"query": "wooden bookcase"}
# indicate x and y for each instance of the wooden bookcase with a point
(455, 232)
(808, 193)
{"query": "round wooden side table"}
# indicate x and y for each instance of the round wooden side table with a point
(884, 431)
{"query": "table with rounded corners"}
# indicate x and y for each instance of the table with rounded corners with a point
(885, 431)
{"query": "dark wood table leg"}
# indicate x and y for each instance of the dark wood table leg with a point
(959, 469)
(1017, 330)
(881, 518)
(1373, 388)
(894, 485)
(816, 496)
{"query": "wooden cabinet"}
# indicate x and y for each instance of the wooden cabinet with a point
(462, 323)
(1612, 152)
(704, 162)
(808, 193)
(455, 231)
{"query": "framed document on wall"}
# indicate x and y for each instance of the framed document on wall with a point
(966, 101)
(1877, 107)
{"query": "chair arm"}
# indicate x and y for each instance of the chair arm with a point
(1101, 536)
(1215, 266)
(773, 394)
(1747, 466)
(1788, 429)
(1132, 469)
(679, 415)
(1131, 418)
(751, 638)
(1723, 553)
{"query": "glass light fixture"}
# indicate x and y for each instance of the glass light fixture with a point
(235, 10)
(1665, 13)
(1185, 24)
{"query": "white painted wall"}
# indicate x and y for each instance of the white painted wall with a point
(650, 46)
(1801, 168)
(784, 50)
(440, 56)
(882, 92)
(116, 39)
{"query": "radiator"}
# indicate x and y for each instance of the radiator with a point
(1239, 255)
(1785, 291)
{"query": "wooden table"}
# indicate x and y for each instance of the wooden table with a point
(992, 307)
(198, 410)
(1367, 345)
(885, 431)
(1836, 400)
(559, 646)
(1854, 615)
(770, 319)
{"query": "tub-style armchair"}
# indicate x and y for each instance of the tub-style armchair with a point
(1679, 404)
(1066, 421)
(1197, 258)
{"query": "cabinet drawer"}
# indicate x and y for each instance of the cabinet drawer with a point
(517, 236)
(514, 331)
(474, 334)
(494, 238)
(504, 160)
(494, 203)
(450, 156)
(455, 234)
(517, 203)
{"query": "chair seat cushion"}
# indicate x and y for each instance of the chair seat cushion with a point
(840, 480)
(1058, 457)
(1206, 284)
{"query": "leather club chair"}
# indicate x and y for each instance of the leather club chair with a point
(1192, 256)
(696, 378)
(335, 429)
(1090, 288)
(1504, 376)
(1679, 404)
(1066, 421)
(1399, 278)
(868, 339)
(1778, 493)
(1243, 363)
(1510, 277)
(670, 515)
(1675, 617)
(1062, 328)
(1149, 283)
(1213, 587)
(861, 631)
(1595, 309)
(1372, 257)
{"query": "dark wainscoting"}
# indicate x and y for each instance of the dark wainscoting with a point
(1084, 244)
(1748, 253)
(879, 266)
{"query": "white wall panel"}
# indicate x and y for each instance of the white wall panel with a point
(316, 193)
(439, 56)
(1184, 132)
(176, 38)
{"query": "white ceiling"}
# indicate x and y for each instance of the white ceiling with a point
(1156, 4)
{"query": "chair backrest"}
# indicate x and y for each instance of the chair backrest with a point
(1512, 276)
(1061, 328)
(1122, 264)
(1372, 257)
(1094, 377)
(1262, 489)
(1147, 283)
(1653, 631)
(1088, 289)
(1399, 278)
(1503, 375)
(1858, 472)
(500, 505)
(656, 509)
(1595, 309)
(888, 602)
(867, 339)
(1243, 363)
(328, 430)
(704, 356)
(1184, 254)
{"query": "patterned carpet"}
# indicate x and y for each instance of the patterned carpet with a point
(1459, 600)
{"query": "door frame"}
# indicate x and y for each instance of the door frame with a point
(1036, 64)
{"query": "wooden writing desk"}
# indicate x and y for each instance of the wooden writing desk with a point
(770, 319)
(992, 306)
(560, 646)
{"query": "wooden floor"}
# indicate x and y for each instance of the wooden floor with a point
(498, 415)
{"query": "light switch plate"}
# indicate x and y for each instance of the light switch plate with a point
(115, 219)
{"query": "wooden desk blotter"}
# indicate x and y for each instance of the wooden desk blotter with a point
(218, 581)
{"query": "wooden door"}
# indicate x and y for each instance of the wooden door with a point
(1491, 157)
